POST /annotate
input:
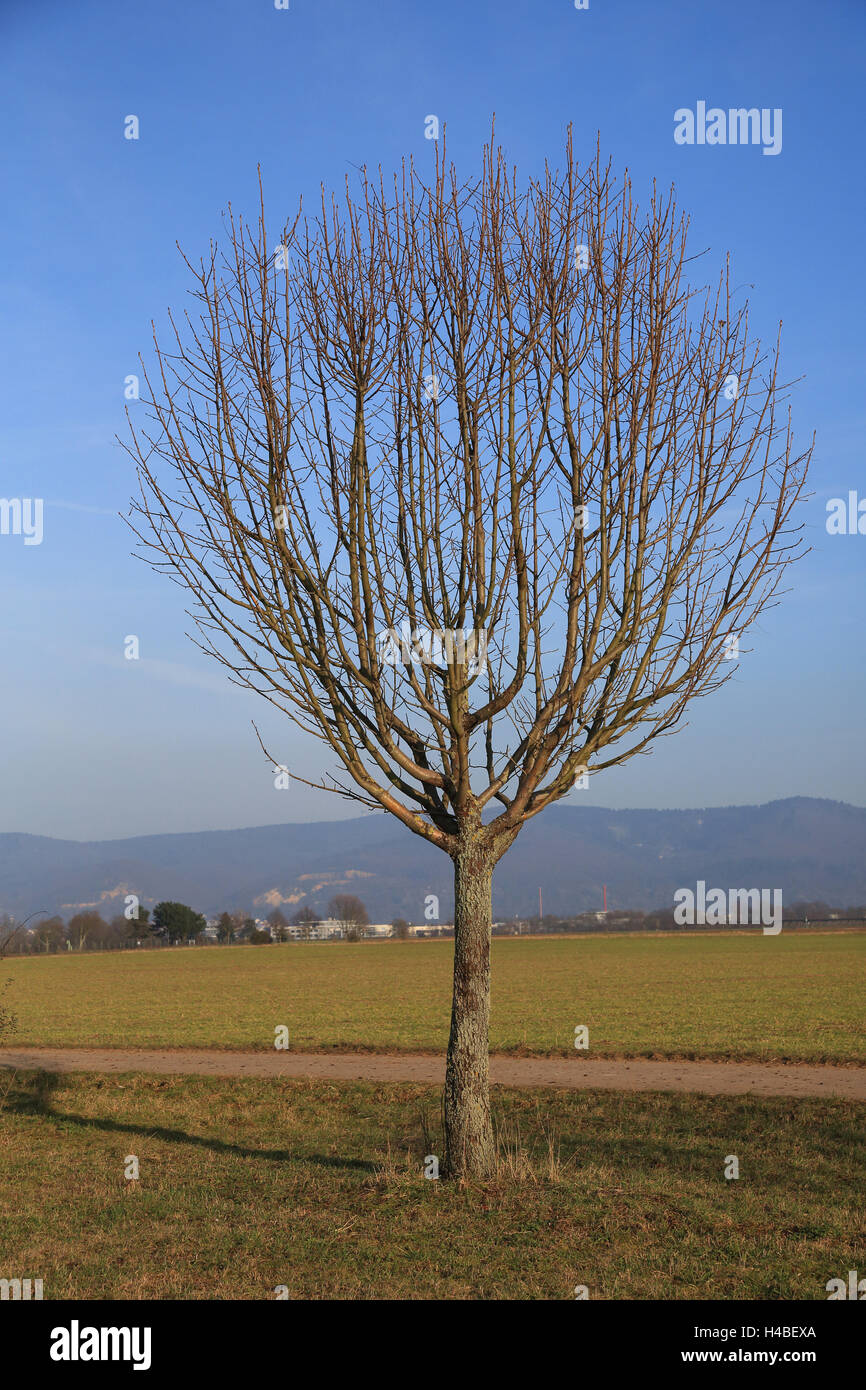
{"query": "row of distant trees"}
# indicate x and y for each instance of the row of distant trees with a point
(168, 924)
(90, 931)
(171, 923)
(345, 908)
(661, 920)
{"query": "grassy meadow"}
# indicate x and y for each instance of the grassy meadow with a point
(788, 997)
(245, 1185)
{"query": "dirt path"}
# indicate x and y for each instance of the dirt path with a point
(714, 1078)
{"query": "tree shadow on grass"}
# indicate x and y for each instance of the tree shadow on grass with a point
(32, 1093)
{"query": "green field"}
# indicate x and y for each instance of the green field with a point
(245, 1185)
(784, 997)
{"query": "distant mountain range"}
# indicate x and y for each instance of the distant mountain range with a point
(811, 849)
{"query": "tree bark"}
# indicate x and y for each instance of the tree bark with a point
(470, 1147)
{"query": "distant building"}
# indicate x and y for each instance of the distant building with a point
(430, 928)
(327, 930)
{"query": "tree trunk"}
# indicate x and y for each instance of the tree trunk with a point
(470, 1148)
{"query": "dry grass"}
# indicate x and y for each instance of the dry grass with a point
(518, 1159)
(248, 1184)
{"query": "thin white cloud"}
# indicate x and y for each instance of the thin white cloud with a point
(83, 507)
(173, 672)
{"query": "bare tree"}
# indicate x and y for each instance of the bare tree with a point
(13, 935)
(306, 919)
(279, 924)
(479, 488)
(347, 909)
(85, 929)
(50, 933)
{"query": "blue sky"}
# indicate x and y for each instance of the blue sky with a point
(96, 746)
